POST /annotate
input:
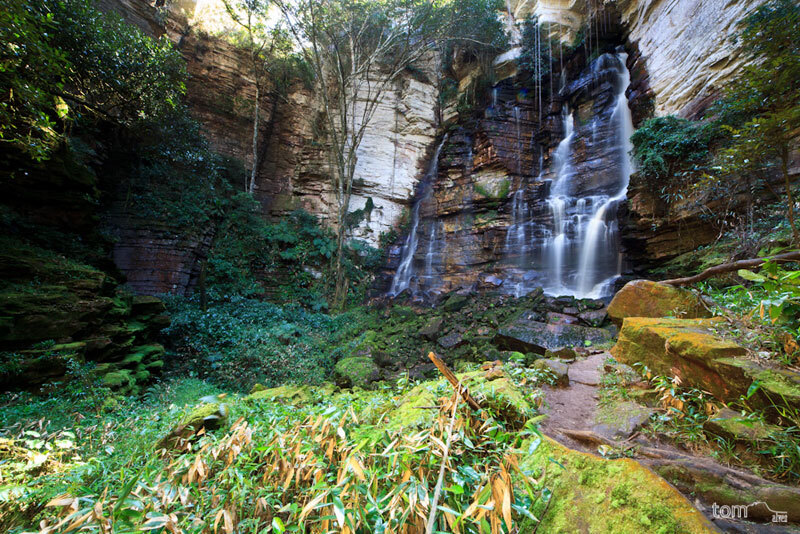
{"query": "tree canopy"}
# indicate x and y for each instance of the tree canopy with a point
(65, 62)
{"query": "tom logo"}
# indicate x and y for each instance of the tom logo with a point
(740, 511)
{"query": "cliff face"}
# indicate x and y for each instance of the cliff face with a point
(686, 45)
(679, 56)
(687, 48)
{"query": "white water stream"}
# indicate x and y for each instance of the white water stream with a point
(406, 272)
(577, 251)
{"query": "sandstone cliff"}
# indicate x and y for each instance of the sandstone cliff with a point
(679, 55)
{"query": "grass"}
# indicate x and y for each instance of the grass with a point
(326, 462)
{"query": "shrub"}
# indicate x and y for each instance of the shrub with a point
(673, 153)
(246, 341)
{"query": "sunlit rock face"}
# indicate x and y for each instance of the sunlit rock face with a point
(685, 44)
(687, 48)
(391, 157)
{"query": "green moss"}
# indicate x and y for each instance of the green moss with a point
(355, 371)
(414, 408)
(591, 494)
(119, 378)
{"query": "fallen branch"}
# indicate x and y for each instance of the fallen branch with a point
(459, 387)
(733, 266)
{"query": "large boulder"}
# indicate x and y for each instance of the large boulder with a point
(692, 350)
(592, 494)
(533, 336)
(355, 371)
(644, 298)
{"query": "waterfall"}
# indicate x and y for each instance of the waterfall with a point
(602, 231)
(572, 246)
(519, 139)
(405, 273)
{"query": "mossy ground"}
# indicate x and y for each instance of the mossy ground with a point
(591, 494)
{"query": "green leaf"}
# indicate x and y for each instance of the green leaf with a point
(750, 275)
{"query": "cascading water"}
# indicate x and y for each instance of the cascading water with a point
(572, 248)
(602, 231)
(406, 275)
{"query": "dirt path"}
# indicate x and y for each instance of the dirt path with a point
(577, 408)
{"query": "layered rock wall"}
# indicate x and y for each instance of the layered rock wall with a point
(679, 55)
(687, 48)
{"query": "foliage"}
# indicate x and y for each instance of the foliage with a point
(738, 153)
(310, 468)
(537, 48)
(673, 153)
(243, 341)
(770, 301)
(49, 444)
(287, 260)
(168, 173)
(65, 62)
(688, 409)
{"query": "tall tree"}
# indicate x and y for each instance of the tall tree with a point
(267, 47)
(356, 50)
(762, 107)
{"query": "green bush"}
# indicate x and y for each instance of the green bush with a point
(65, 62)
(673, 153)
(245, 341)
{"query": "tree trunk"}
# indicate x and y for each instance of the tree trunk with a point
(789, 198)
(252, 186)
(728, 267)
(340, 295)
(202, 285)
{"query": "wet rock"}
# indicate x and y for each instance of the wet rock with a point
(593, 317)
(561, 318)
(692, 350)
(489, 282)
(559, 369)
(451, 341)
(533, 336)
(643, 298)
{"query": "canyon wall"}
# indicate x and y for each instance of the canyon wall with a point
(686, 45)
(679, 55)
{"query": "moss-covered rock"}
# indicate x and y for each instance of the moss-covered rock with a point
(355, 371)
(207, 416)
(644, 298)
(591, 494)
(730, 425)
(288, 393)
(692, 350)
(79, 314)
